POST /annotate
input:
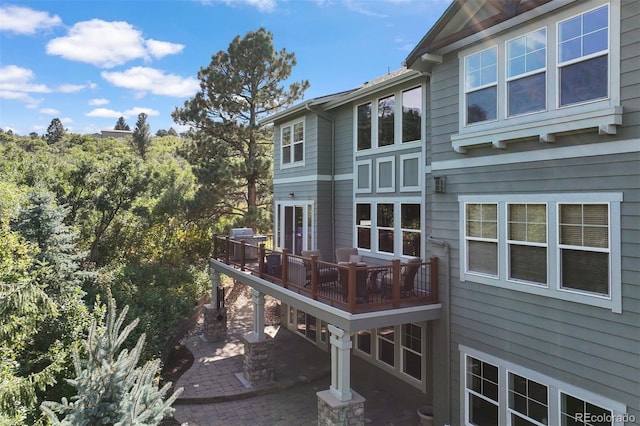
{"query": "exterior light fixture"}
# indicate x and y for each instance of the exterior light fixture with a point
(440, 184)
(291, 195)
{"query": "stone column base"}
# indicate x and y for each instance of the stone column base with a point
(333, 412)
(257, 364)
(215, 323)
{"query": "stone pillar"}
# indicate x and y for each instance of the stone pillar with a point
(257, 365)
(215, 323)
(258, 314)
(332, 412)
(215, 314)
(340, 405)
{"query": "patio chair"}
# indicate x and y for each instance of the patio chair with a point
(326, 274)
(408, 274)
(344, 254)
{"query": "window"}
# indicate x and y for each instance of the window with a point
(583, 62)
(364, 127)
(363, 174)
(386, 176)
(500, 392)
(528, 402)
(386, 121)
(527, 240)
(390, 119)
(526, 76)
(411, 229)
(410, 172)
(390, 228)
(363, 226)
(385, 227)
(363, 341)
(578, 412)
(584, 247)
(542, 80)
(556, 245)
(411, 347)
(481, 89)
(292, 138)
(386, 345)
(482, 238)
(412, 115)
(481, 392)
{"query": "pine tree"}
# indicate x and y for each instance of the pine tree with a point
(111, 389)
(121, 125)
(142, 135)
(55, 131)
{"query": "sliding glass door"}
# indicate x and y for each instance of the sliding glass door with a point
(294, 225)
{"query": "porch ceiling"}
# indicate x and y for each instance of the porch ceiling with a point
(346, 321)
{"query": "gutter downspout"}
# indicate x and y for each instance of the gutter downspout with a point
(447, 272)
(333, 166)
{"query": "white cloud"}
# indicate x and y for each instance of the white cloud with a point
(98, 102)
(75, 88)
(18, 79)
(159, 49)
(262, 5)
(49, 111)
(23, 20)
(108, 44)
(66, 120)
(145, 79)
(110, 113)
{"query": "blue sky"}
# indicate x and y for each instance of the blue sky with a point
(88, 62)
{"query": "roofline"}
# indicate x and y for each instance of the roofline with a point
(433, 31)
(300, 107)
(368, 90)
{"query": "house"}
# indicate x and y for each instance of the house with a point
(506, 155)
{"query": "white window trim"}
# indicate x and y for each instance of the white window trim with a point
(397, 93)
(525, 74)
(528, 244)
(420, 171)
(613, 301)
(397, 228)
(603, 114)
(379, 162)
(554, 389)
(421, 353)
(293, 163)
(481, 87)
(356, 182)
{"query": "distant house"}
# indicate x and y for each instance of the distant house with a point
(508, 149)
(110, 133)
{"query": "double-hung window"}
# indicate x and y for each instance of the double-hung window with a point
(526, 73)
(555, 245)
(363, 133)
(481, 85)
(583, 57)
(292, 142)
(500, 392)
(363, 226)
(385, 227)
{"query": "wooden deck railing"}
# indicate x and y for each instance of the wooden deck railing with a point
(348, 286)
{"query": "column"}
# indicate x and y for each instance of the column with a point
(215, 314)
(340, 405)
(257, 365)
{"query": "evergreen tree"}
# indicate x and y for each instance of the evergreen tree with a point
(172, 132)
(121, 125)
(142, 135)
(231, 152)
(111, 388)
(55, 131)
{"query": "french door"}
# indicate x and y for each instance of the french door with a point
(294, 226)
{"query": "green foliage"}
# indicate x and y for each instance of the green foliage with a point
(121, 125)
(111, 387)
(142, 135)
(230, 152)
(55, 131)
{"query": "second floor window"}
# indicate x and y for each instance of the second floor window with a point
(583, 60)
(480, 85)
(292, 138)
(526, 75)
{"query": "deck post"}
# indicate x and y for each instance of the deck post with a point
(258, 314)
(314, 276)
(395, 289)
(340, 405)
(215, 314)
